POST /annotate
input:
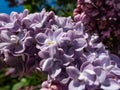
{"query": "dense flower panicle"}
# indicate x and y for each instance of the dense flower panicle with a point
(103, 17)
(38, 20)
(58, 46)
(12, 22)
(19, 41)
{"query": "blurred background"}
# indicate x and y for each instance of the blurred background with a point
(60, 7)
(6, 8)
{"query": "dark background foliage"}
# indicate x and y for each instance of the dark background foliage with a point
(60, 7)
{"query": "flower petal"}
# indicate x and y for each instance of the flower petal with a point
(76, 85)
(79, 44)
(4, 17)
(91, 76)
(73, 72)
(5, 35)
(113, 86)
(56, 70)
(58, 32)
(48, 63)
(40, 38)
(4, 44)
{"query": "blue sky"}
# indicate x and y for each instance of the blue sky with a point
(5, 9)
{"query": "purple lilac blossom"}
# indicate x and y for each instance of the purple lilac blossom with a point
(101, 17)
(72, 58)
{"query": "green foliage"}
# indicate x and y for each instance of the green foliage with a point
(9, 83)
(60, 7)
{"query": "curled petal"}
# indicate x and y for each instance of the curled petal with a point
(43, 54)
(4, 44)
(48, 63)
(115, 59)
(5, 35)
(4, 17)
(79, 44)
(76, 85)
(67, 60)
(79, 27)
(102, 74)
(40, 38)
(73, 72)
(56, 70)
(116, 71)
(114, 85)
(91, 76)
(58, 32)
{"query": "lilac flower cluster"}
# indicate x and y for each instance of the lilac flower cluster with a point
(102, 17)
(59, 47)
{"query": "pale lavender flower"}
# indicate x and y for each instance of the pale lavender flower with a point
(80, 79)
(12, 41)
(49, 39)
(55, 61)
(12, 22)
(38, 20)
